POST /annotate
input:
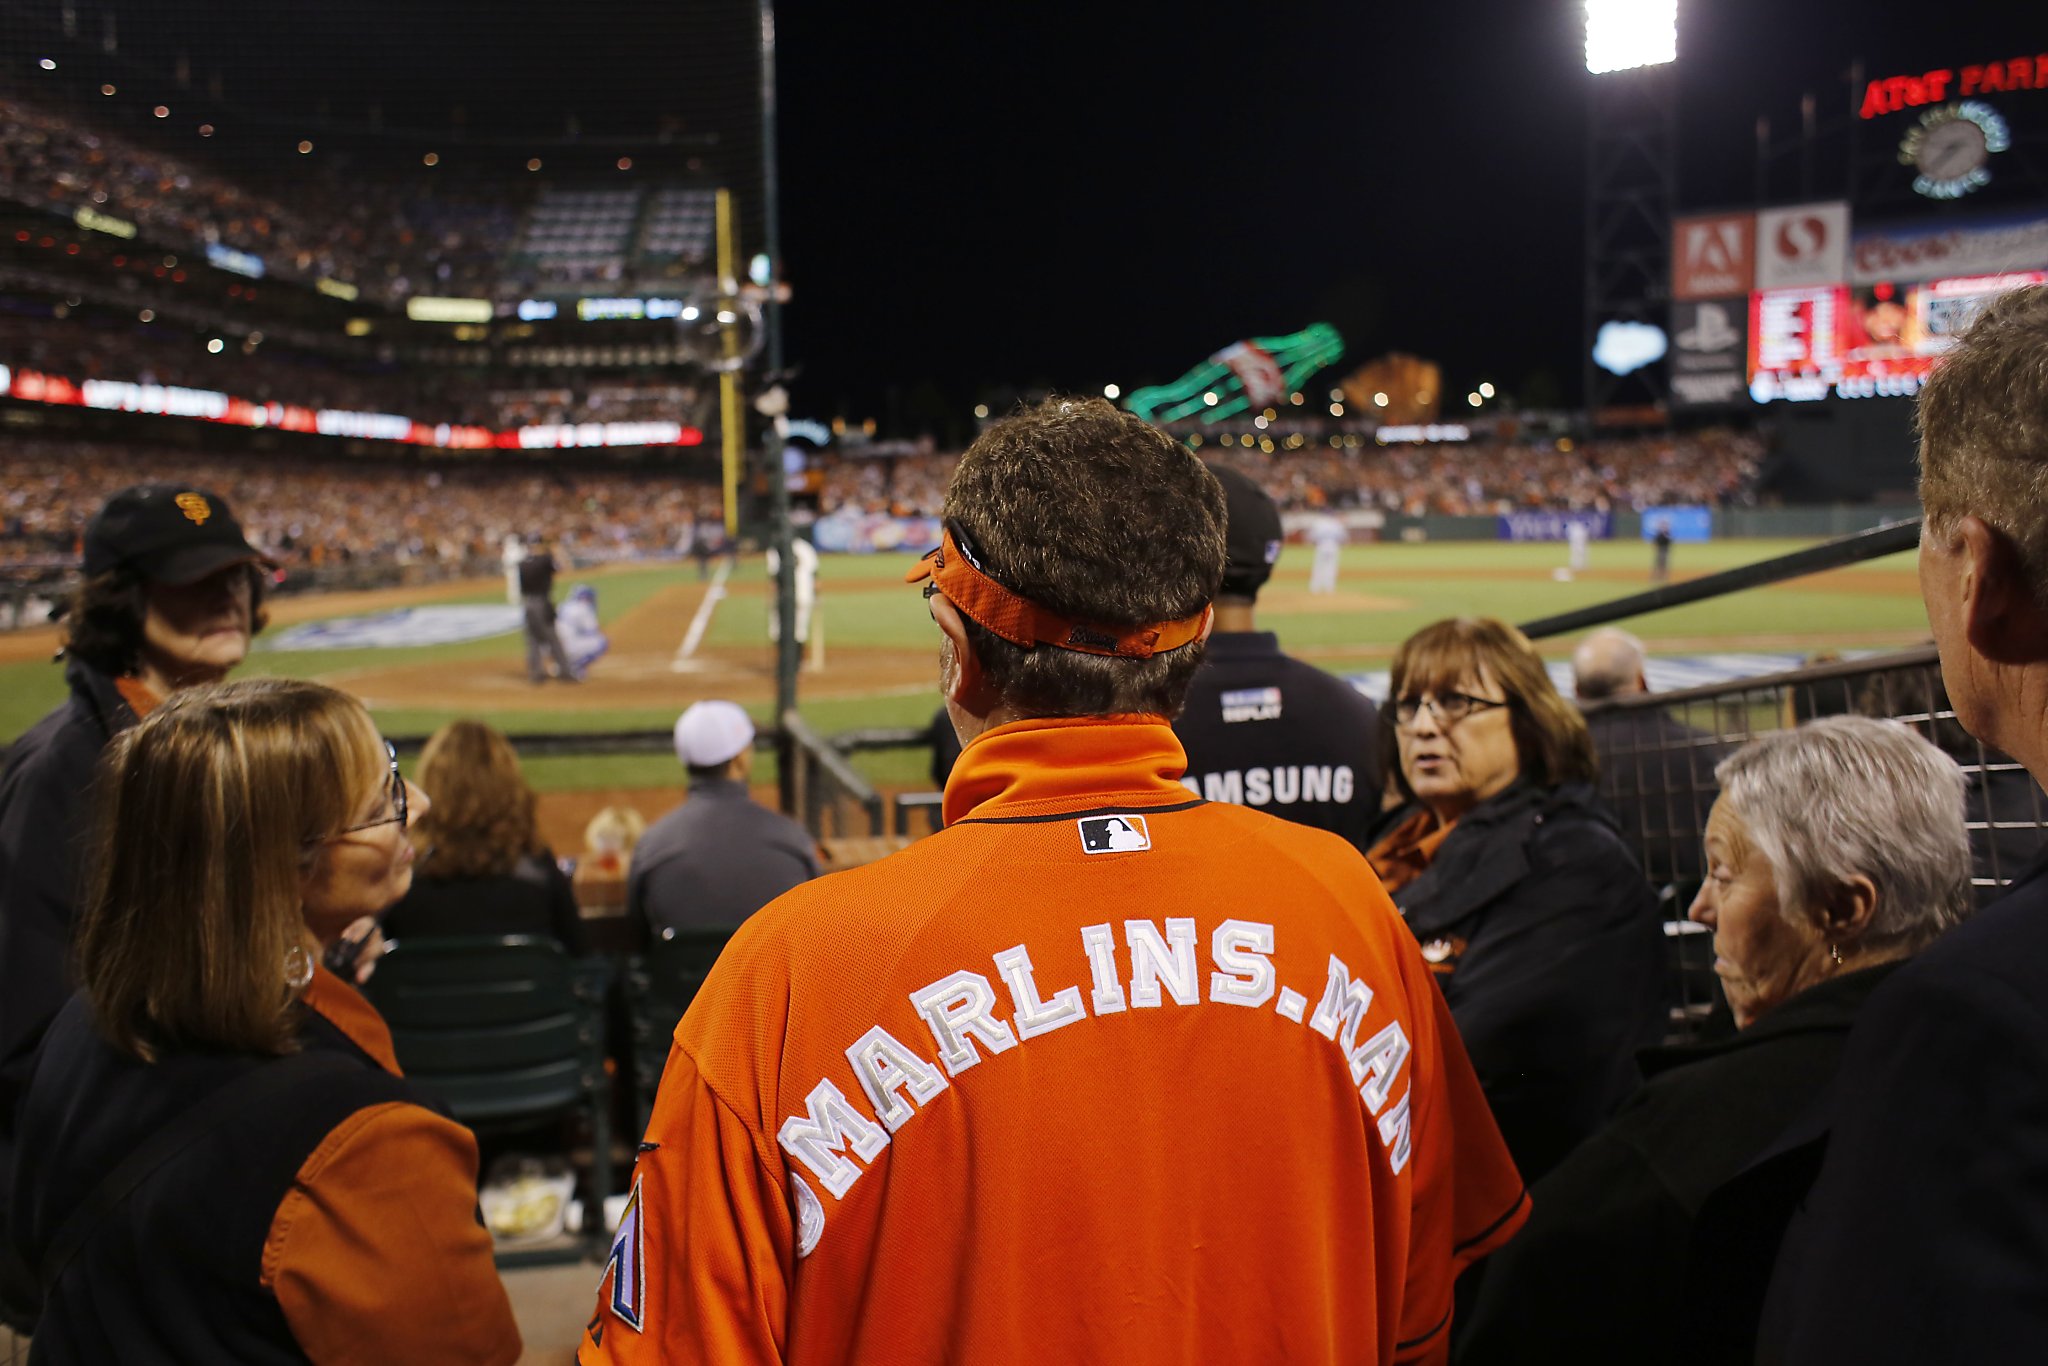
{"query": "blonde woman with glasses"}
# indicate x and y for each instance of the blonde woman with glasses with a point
(219, 1160)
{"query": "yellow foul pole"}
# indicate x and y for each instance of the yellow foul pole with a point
(731, 419)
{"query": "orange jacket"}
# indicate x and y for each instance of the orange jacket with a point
(1098, 1073)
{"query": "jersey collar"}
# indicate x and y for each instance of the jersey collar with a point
(1045, 766)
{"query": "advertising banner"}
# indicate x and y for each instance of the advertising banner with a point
(1928, 251)
(1866, 341)
(1707, 352)
(1685, 522)
(1554, 526)
(1804, 245)
(863, 533)
(1713, 255)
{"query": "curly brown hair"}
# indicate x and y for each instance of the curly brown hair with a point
(482, 820)
(1090, 513)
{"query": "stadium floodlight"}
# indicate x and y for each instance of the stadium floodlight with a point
(1622, 34)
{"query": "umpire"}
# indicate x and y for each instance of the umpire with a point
(1265, 730)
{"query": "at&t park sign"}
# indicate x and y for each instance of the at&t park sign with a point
(1890, 94)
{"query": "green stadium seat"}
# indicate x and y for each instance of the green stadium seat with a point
(505, 1030)
(660, 984)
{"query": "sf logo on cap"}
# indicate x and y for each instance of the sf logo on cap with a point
(195, 508)
(1113, 834)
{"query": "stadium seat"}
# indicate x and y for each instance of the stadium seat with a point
(660, 985)
(506, 1031)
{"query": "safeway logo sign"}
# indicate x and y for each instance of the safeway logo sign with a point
(1714, 256)
(1802, 246)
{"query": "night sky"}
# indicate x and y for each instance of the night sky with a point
(980, 198)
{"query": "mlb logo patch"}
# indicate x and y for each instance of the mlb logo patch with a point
(1113, 834)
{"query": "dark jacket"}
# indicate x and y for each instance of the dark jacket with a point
(534, 898)
(45, 811)
(1601, 1271)
(45, 815)
(715, 860)
(1657, 777)
(173, 1273)
(1268, 731)
(1546, 942)
(1925, 1237)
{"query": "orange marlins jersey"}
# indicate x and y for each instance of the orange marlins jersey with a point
(1097, 1073)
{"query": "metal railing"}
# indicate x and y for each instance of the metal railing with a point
(823, 783)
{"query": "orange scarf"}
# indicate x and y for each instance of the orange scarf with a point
(1405, 852)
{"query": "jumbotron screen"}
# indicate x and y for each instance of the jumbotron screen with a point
(1861, 341)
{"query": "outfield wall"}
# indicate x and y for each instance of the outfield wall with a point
(1790, 523)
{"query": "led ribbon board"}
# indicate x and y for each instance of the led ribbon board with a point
(1258, 373)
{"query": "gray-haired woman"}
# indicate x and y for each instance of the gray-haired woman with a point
(1835, 851)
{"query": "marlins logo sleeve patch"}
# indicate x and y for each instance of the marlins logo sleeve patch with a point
(626, 1269)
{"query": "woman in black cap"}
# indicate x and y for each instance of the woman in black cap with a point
(173, 593)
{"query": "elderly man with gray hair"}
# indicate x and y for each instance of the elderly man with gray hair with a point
(1834, 852)
(1925, 1237)
(1656, 773)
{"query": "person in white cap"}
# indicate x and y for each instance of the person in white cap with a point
(720, 856)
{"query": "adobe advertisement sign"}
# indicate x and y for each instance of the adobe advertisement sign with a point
(1708, 350)
(1802, 246)
(1928, 251)
(1713, 255)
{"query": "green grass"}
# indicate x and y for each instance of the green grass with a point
(870, 607)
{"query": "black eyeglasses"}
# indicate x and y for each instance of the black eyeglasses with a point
(1448, 710)
(397, 795)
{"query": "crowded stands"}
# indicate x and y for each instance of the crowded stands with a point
(448, 515)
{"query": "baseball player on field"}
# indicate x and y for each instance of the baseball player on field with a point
(1100, 1072)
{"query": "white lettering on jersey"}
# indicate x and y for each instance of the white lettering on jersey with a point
(1394, 1131)
(1031, 1015)
(884, 1065)
(1377, 1062)
(1244, 975)
(819, 1139)
(1108, 995)
(1342, 1008)
(959, 1009)
(1281, 786)
(1250, 704)
(1154, 963)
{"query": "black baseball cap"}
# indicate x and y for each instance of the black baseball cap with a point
(168, 533)
(1251, 539)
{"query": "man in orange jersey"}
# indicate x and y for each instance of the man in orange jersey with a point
(1100, 1072)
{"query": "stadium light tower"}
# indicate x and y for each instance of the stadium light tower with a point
(1624, 34)
(1631, 186)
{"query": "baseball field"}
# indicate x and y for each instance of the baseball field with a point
(876, 662)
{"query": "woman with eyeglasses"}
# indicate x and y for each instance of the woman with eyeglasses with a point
(1541, 929)
(219, 1160)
